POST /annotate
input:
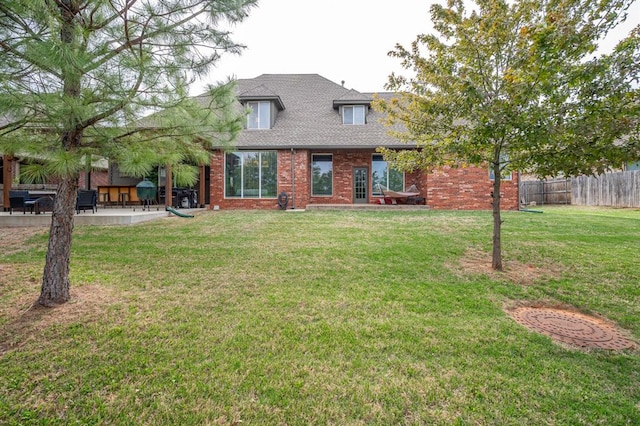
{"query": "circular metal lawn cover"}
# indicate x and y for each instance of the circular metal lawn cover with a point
(571, 327)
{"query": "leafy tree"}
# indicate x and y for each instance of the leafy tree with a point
(77, 76)
(517, 85)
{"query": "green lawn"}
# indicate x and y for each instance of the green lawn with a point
(342, 318)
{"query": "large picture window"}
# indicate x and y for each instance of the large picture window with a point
(322, 175)
(382, 174)
(259, 117)
(251, 174)
(353, 114)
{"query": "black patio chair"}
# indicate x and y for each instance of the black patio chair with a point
(87, 199)
(20, 200)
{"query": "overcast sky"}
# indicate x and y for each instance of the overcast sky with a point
(338, 39)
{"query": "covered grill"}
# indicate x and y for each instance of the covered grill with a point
(146, 191)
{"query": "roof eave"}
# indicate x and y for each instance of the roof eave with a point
(341, 102)
(325, 147)
(276, 99)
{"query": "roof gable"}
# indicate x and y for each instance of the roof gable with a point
(261, 93)
(310, 120)
(352, 97)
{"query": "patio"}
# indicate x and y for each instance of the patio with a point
(104, 216)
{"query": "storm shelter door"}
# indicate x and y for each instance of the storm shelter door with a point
(360, 185)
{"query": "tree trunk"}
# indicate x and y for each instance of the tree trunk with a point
(496, 259)
(55, 279)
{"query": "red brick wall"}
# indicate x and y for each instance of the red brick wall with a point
(97, 179)
(457, 189)
(301, 175)
(468, 188)
(343, 165)
(298, 199)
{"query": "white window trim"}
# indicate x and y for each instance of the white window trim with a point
(353, 107)
(259, 106)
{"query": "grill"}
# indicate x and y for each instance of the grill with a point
(146, 191)
(185, 198)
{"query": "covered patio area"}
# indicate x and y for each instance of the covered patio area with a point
(104, 216)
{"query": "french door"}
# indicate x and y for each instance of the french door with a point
(360, 185)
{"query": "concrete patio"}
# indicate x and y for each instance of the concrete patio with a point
(129, 216)
(104, 216)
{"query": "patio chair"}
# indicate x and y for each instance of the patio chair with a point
(87, 199)
(20, 200)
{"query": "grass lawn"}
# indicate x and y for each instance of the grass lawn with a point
(342, 318)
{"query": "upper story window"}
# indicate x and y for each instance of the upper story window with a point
(260, 115)
(353, 114)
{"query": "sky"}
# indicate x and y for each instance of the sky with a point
(342, 40)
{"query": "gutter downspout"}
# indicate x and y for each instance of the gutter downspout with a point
(293, 180)
(520, 206)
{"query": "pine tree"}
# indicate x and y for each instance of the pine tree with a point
(78, 76)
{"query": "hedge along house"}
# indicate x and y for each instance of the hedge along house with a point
(316, 141)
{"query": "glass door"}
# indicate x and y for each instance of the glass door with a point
(360, 185)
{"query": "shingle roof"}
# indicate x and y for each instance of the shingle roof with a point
(310, 120)
(261, 92)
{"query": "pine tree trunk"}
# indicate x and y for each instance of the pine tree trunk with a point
(55, 279)
(496, 258)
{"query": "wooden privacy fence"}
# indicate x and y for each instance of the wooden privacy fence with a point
(541, 192)
(620, 189)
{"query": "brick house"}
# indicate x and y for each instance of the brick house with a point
(316, 141)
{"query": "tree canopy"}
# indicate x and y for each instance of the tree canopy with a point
(78, 76)
(99, 66)
(518, 85)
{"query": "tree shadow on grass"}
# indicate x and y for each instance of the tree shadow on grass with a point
(28, 321)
